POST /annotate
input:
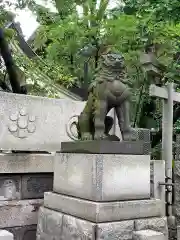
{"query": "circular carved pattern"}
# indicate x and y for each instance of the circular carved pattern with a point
(23, 112)
(31, 128)
(14, 116)
(21, 124)
(32, 118)
(13, 127)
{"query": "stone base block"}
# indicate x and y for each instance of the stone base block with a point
(148, 235)
(107, 147)
(155, 224)
(5, 235)
(103, 211)
(19, 213)
(55, 225)
(24, 232)
(102, 177)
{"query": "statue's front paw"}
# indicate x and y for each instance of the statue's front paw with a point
(99, 135)
(86, 137)
(130, 135)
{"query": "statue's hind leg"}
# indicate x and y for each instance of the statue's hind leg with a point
(84, 120)
(99, 118)
(123, 115)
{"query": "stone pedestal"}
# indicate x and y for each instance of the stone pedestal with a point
(100, 196)
(102, 177)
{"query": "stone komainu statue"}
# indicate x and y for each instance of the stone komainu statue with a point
(106, 92)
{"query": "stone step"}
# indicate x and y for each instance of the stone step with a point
(5, 235)
(104, 211)
(148, 235)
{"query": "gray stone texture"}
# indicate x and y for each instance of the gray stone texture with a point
(156, 224)
(115, 230)
(19, 213)
(25, 186)
(101, 177)
(148, 235)
(158, 175)
(5, 235)
(34, 185)
(26, 163)
(177, 190)
(107, 147)
(24, 232)
(54, 225)
(34, 123)
(103, 211)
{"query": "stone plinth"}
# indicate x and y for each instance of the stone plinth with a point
(102, 177)
(57, 225)
(107, 147)
(104, 211)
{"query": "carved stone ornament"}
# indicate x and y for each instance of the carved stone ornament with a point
(22, 124)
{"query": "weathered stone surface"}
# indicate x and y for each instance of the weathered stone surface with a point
(54, 225)
(49, 224)
(103, 211)
(10, 187)
(5, 235)
(19, 213)
(107, 147)
(34, 185)
(177, 190)
(74, 228)
(34, 123)
(158, 176)
(24, 232)
(26, 163)
(156, 224)
(148, 235)
(115, 230)
(101, 177)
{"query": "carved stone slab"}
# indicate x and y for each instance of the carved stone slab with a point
(102, 177)
(103, 211)
(26, 163)
(34, 123)
(34, 185)
(107, 147)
